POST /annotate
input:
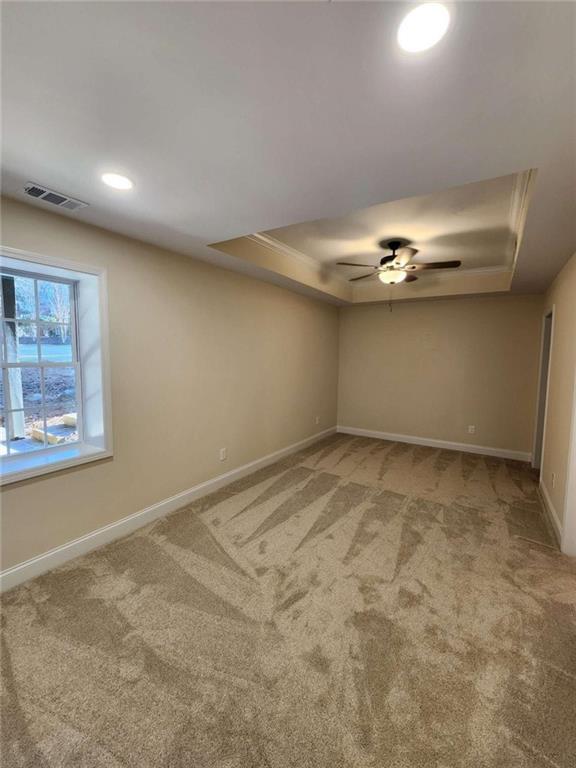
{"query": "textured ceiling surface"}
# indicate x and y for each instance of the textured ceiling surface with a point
(248, 117)
(473, 223)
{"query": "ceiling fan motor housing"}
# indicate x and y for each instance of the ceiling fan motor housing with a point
(391, 245)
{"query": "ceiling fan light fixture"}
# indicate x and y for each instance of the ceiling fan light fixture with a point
(396, 267)
(391, 276)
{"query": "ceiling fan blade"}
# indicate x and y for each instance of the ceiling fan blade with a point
(433, 265)
(362, 277)
(410, 278)
(403, 256)
(349, 264)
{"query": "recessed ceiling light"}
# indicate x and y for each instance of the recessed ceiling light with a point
(423, 27)
(117, 181)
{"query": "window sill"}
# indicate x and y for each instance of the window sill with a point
(15, 469)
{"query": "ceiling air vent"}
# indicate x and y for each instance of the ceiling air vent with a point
(56, 198)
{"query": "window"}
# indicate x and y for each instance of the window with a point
(54, 403)
(40, 367)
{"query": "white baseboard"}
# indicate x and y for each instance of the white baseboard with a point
(501, 453)
(29, 569)
(551, 512)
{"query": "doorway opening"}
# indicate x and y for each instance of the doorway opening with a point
(542, 390)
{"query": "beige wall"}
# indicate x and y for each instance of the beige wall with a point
(561, 297)
(431, 368)
(201, 358)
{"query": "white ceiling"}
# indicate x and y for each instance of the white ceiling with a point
(244, 117)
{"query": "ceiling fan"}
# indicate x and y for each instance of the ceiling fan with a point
(396, 267)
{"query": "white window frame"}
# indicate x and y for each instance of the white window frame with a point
(93, 385)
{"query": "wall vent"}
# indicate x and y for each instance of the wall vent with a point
(50, 196)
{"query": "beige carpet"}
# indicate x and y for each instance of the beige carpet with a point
(361, 604)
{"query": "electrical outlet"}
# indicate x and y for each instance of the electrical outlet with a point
(471, 429)
(317, 420)
(223, 454)
(553, 479)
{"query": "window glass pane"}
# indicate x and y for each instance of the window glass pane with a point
(59, 385)
(54, 301)
(27, 342)
(25, 431)
(31, 390)
(9, 338)
(3, 438)
(2, 403)
(25, 298)
(8, 292)
(56, 343)
(61, 422)
(15, 393)
(24, 388)
(21, 346)
(18, 299)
